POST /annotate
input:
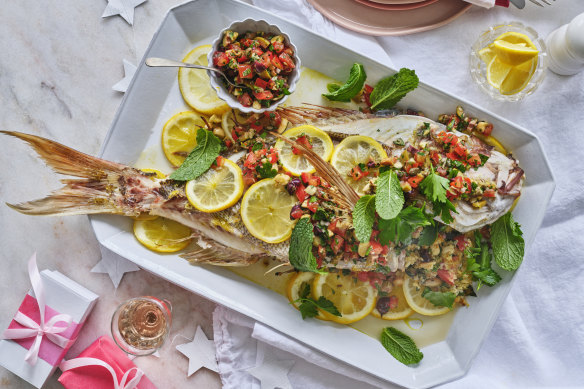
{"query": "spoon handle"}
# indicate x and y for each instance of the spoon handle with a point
(162, 62)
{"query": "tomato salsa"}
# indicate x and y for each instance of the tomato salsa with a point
(260, 61)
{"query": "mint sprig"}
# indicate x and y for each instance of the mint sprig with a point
(401, 346)
(392, 89)
(400, 228)
(364, 217)
(440, 299)
(300, 251)
(507, 241)
(389, 197)
(309, 307)
(200, 159)
(350, 88)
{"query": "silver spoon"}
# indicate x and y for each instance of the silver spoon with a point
(162, 62)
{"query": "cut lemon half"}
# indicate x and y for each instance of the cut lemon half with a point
(195, 85)
(179, 136)
(353, 298)
(351, 152)
(265, 211)
(216, 189)
(296, 163)
(418, 303)
(513, 53)
(295, 286)
(162, 235)
(401, 311)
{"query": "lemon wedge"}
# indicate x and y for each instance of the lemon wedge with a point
(353, 298)
(513, 53)
(401, 311)
(265, 211)
(516, 38)
(352, 151)
(497, 71)
(295, 286)
(518, 77)
(216, 189)
(296, 163)
(195, 85)
(162, 235)
(179, 136)
(418, 303)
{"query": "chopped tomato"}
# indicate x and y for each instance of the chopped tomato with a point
(474, 160)
(257, 51)
(333, 227)
(243, 58)
(301, 193)
(337, 243)
(263, 95)
(446, 276)
(461, 242)
(261, 83)
(305, 177)
(287, 61)
(228, 143)
(278, 46)
(376, 247)
(273, 156)
(356, 173)
(219, 161)
(296, 213)
(312, 206)
(488, 129)
(246, 42)
(245, 100)
(460, 150)
(220, 59)
(453, 156)
(245, 71)
(489, 193)
(367, 94)
(415, 181)
(250, 160)
(248, 178)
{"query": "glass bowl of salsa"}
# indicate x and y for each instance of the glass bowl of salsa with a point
(259, 57)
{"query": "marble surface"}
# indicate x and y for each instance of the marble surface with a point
(59, 63)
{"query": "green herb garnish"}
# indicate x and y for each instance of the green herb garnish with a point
(400, 228)
(507, 241)
(364, 217)
(478, 263)
(266, 170)
(200, 159)
(309, 307)
(392, 89)
(389, 197)
(440, 299)
(300, 251)
(401, 346)
(351, 88)
(434, 188)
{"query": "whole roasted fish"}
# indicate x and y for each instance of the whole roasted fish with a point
(109, 187)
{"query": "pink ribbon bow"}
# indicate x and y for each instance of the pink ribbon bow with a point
(34, 329)
(85, 361)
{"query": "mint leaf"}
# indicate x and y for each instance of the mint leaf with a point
(400, 228)
(428, 236)
(392, 89)
(300, 251)
(308, 306)
(308, 309)
(332, 87)
(507, 241)
(266, 170)
(440, 299)
(351, 88)
(328, 306)
(200, 159)
(401, 346)
(389, 197)
(363, 217)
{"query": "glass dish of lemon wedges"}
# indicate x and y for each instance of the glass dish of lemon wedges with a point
(508, 61)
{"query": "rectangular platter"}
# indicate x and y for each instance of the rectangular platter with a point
(154, 96)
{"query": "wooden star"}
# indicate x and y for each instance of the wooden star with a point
(200, 352)
(272, 372)
(124, 8)
(114, 265)
(129, 70)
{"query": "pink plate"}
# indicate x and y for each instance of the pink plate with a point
(397, 1)
(396, 7)
(367, 20)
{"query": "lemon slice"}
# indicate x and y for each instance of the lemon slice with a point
(295, 287)
(195, 85)
(162, 235)
(295, 163)
(518, 77)
(516, 38)
(353, 298)
(353, 151)
(418, 303)
(265, 211)
(228, 121)
(513, 53)
(216, 189)
(179, 136)
(157, 174)
(497, 71)
(402, 310)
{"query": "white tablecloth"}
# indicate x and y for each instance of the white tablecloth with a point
(538, 339)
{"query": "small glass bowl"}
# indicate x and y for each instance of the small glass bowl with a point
(217, 81)
(478, 69)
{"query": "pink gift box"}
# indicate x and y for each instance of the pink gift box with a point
(98, 377)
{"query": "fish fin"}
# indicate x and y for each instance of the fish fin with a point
(312, 113)
(220, 255)
(79, 196)
(326, 171)
(67, 161)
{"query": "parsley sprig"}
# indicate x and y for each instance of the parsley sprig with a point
(434, 188)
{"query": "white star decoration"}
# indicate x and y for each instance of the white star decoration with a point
(124, 8)
(271, 372)
(114, 265)
(129, 70)
(200, 352)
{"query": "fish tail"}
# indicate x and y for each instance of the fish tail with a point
(79, 196)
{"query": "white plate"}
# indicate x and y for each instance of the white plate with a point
(153, 96)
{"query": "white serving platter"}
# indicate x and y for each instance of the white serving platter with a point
(153, 97)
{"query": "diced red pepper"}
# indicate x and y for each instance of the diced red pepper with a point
(263, 95)
(376, 247)
(250, 160)
(414, 181)
(453, 156)
(245, 71)
(446, 276)
(337, 243)
(273, 156)
(246, 42)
